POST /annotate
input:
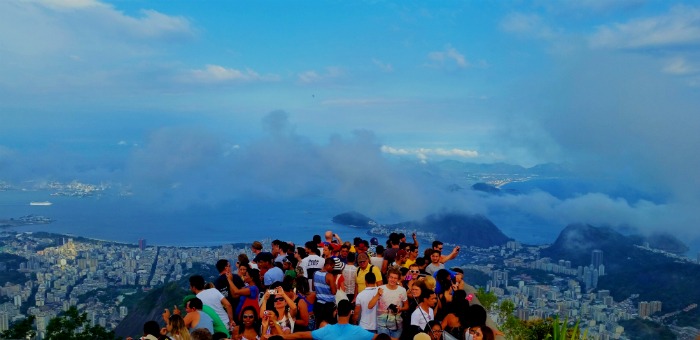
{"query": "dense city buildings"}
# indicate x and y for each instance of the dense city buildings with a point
(66, 272)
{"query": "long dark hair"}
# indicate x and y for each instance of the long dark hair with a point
(255, 276)
(256, 321)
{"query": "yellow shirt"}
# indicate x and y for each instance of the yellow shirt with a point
(360, 280)
(408, 263)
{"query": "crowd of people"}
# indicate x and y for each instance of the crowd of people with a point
(330, 289)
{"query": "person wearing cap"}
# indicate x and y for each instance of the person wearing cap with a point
(324, 285)
(338, 268)
(364, 268)
(288, 268)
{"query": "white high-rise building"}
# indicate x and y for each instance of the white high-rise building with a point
(4, 322)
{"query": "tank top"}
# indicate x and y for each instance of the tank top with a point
(323, 290)
(205, 321)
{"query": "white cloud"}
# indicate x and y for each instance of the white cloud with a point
(220, 74)
(679, 66)
(449, 54)
(313, 76)
(680, 27)
(385, 67)
(529, 25)
(423, 153)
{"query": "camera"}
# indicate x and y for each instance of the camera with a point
(393, 308)
(271, 291)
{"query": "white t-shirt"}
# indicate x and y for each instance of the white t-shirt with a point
(212, 298)
(420, 318)
(377, 262)
(312, 262)
(368, 317)
(350, 275)
(390, 297)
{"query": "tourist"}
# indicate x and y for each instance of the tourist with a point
(350, 276)
(392, 302)
(437, 245)
(313, 262)
(362, 270)
(304, 320)
(271, 274)
(390, 254)
(324, 286)
(226, 281)
(283, 305)
(455, 321)
(424, 313)
(213, 299)
(201, 334)
(481, 333)
(256, 249)
(366, 304)
(412, 252)
(175, 326)
(249, 327)
(192, 318)
(435, 263)
(250, 292)
(342, 330)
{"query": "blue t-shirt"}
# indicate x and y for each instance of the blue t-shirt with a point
(342, 331)
(273, 275)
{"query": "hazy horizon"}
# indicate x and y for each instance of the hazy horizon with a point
(199, 105)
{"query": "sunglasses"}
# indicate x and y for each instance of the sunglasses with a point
(248, 316)
(414, 271)
(279, 299)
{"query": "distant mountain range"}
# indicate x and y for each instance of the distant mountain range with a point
(459, 228)
(629, 268)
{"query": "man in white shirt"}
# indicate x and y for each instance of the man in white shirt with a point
(312, 263)
(424, 313)
(366, 304)
(214, 299)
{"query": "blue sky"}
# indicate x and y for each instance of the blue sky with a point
(98, 89)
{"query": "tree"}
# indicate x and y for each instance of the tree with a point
(20, 330)
(72, 325)
(487, 299)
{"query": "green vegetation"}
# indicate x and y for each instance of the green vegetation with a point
(10, 273)
(640, 329)
(20, 330)
(475, 277)
(72, 325)
(690, 318)
(487, 299)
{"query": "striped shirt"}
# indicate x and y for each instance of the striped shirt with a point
(323, 290)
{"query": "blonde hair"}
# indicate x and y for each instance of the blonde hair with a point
(430, 282)
(177, 327)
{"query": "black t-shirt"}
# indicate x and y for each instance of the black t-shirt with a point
(221, 285)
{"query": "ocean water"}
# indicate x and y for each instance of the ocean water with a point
(124, 219)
